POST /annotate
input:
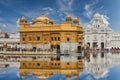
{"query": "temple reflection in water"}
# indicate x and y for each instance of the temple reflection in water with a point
(46, 48)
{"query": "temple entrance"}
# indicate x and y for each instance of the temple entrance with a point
(58, 48)
(7, 65)
(79, 49)
(95, 44)
(88, 44)
(102, 45)
(102, 48)
(34, 48)
(102, 55)
(52, 47)
(58, 52)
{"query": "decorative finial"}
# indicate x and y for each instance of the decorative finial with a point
(23, 17)
(68, 17)
(42, 12)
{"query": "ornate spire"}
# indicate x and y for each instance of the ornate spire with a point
(23, 20)
(42, 12)
(68, 17)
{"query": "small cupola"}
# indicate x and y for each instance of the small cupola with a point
(23, 20)
(76, 20)
(68, 17)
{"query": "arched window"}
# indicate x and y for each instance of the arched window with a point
(23, 39)
(88, 44)
(38, 64)
(102, 45)
(68, 63)
(68, 39)
(98, 26)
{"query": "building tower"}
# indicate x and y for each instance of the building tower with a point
(76, 20)
(23, 20)
(68, 18)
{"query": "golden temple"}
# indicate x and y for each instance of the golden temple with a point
(44, 31)
(64, 38)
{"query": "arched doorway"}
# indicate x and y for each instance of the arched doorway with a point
(34, 48)
(58, 52)
(102, 48)
(102, 54)
(88, 44)
(79, 49)
(52, 47)
(102, 45)
(58, 48)
(95, 44)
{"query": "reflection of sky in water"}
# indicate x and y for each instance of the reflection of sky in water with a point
(12, 74)
(113, 74)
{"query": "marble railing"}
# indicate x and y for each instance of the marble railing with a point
(27, 52)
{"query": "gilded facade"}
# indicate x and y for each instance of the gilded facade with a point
(44, 69)
(43, 31)
(44, 35)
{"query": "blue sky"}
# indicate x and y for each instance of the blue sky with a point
(12, 10)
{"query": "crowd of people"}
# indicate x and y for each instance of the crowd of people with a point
(113, 50)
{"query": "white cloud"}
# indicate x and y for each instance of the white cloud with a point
(47, 9)
(3, 25)
(29, 14)
(17, 22)
(90, 8)
(65, 6)
(35, 13)
(8, 27)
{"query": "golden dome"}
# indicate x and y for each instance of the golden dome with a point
(76, 20)
(42, 18)
(68, 17)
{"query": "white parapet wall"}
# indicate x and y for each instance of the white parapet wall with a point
(11, 64)
(68, 46)
(43, 46)
(68, 59)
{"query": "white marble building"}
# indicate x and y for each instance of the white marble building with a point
(99, 34)
(14, 35)
(2, 34)
(114, 40)
(12, 42)
(68, 46)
